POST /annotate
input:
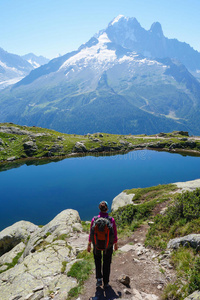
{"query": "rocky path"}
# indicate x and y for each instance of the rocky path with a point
(148, 270)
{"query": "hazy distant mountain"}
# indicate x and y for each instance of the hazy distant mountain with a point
(124, 79)
(12, 68)
(35, 61)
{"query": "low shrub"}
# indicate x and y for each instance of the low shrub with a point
(181, 218)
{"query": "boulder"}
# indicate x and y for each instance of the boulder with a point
(13, 130)
(13, 235)
(48, 256)
(138, 295)
(39, 273)
(121, 200)
(64, 223)
(11, 158)
(188, 185)
(194, 296)
(192, 240)
(56, 148)
(30, 147)
(80, 147)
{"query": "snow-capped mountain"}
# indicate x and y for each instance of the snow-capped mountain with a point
(124, 79)
(34, 60)
(128, 33)
(12, 68)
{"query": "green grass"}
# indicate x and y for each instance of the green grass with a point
(13, 143)
(81, 270)
(86, 226)
(181, 218)
(130, 217)
(149, 193)
(187, 265)
(14, 262)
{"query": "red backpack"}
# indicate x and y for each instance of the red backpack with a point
(102, 233)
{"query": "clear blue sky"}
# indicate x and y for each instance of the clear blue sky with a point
(50, 27)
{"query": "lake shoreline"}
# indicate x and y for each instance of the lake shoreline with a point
(46, 160)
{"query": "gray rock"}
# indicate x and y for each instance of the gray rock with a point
(13, 130)
(121, 200)
(1, 142)
(11, 158)
(192, 240)
(63, 223)
(13, 235)
(56, 148)
(30, 147)
(39, 134)
(60, 138)
(7, 258)
(143, 296)
(80, 147)
(194, 296)
(188, 185)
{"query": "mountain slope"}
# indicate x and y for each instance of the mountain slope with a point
(12, 68)
(34, 60)
(128, 33)
(106, 86)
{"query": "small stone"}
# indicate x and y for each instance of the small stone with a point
(159, 287)
(150, 223)
(124, 279)
(11, 158)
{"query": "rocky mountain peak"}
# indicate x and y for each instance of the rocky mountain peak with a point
(156, 29)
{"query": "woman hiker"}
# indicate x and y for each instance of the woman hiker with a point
(98, 250)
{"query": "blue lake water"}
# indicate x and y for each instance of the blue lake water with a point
(38, 193)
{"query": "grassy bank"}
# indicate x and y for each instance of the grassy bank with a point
(22, 142)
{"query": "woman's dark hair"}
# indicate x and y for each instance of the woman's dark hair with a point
(103, 206)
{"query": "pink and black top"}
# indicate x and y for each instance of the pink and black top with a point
(105, 215)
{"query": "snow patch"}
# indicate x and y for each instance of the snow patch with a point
(9, 68)
(118, 18)
(94, 55)
(5, 83)
(34, 64)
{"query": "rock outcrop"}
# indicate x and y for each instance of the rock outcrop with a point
(194, 296)
(121, 200)
(13, 235)
(192, 240)
(48, 256)
(188, 185)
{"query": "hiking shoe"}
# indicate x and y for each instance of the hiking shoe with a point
(99, 282)
(106, 286)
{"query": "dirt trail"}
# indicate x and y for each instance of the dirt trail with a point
(149, 272)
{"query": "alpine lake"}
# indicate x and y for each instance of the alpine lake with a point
(37, 191)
